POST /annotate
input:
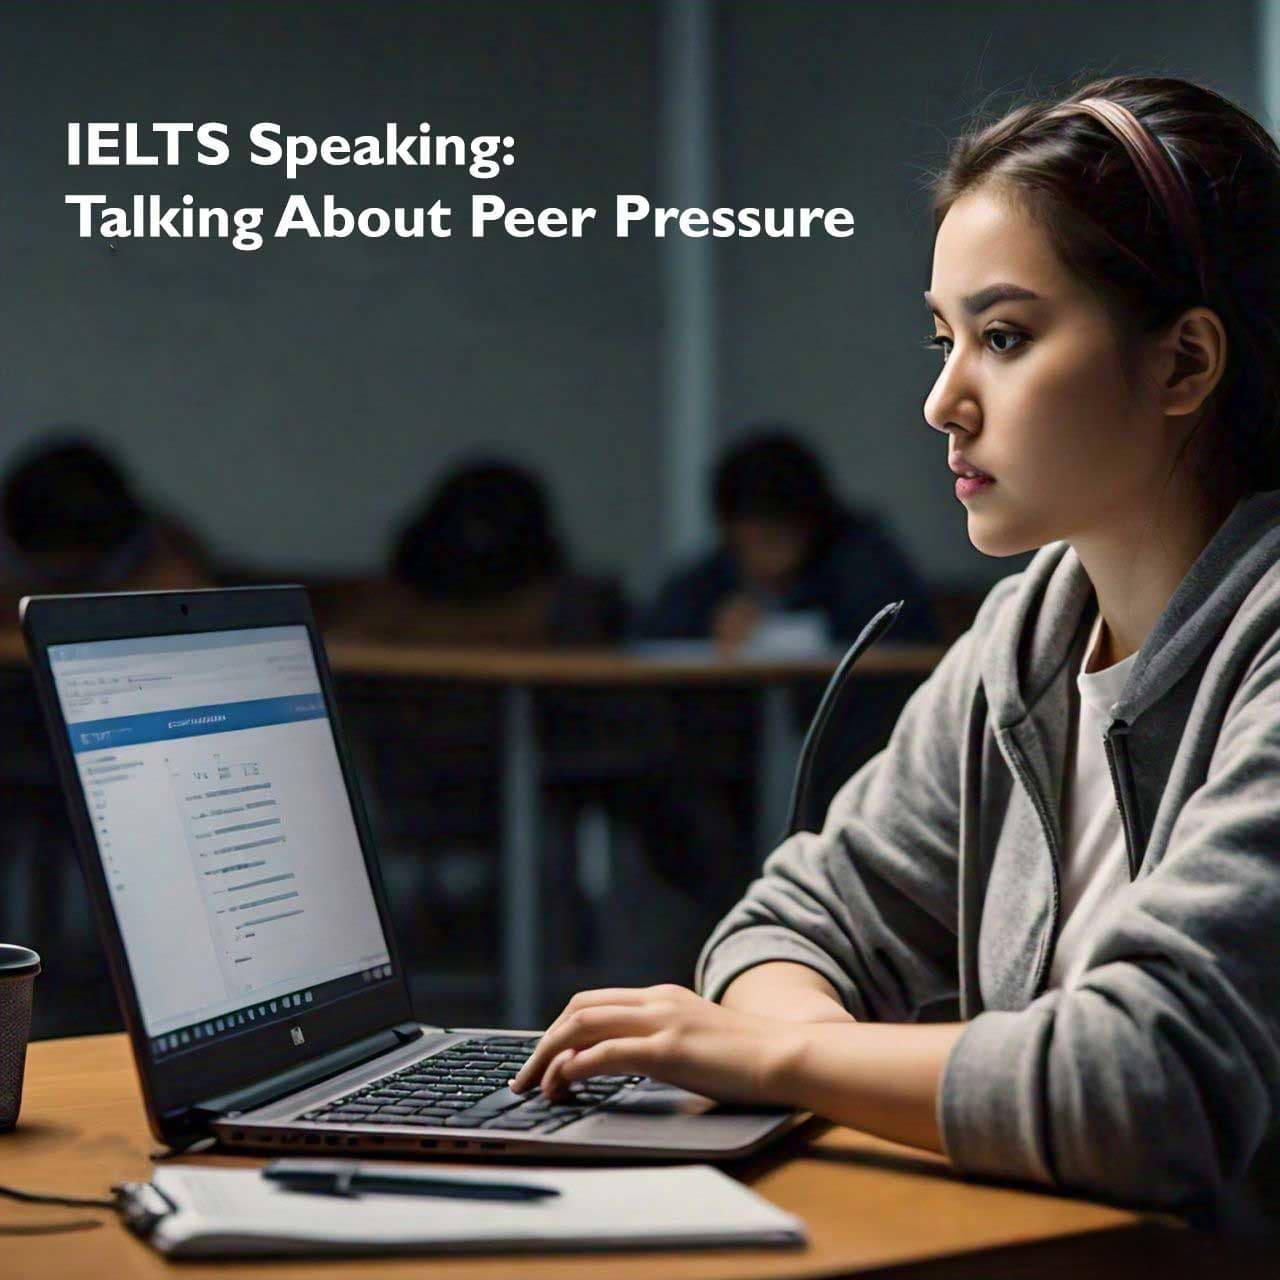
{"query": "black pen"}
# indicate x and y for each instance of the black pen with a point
(348, 1178)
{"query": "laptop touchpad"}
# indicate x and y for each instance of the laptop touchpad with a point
(655, 1098)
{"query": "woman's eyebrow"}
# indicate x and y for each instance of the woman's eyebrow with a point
(976, 303)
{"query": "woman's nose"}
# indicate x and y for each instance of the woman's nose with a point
(951, 403)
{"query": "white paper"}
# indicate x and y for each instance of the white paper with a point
(236, 1211)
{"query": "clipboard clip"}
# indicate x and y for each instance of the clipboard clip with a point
(142, 1205)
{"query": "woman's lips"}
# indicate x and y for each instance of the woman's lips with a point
(967, 486)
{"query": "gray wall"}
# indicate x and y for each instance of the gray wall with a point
(294, 401)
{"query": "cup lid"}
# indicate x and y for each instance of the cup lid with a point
(18, 962)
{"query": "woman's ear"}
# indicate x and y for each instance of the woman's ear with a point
(1191, 358)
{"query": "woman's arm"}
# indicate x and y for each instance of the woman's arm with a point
(787, 991)
(881, 1078)
(878, 1077)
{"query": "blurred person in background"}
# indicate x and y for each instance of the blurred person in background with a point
(71, 521)
(481, 561)
(788, 546)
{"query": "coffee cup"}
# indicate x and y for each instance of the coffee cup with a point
(18, 969)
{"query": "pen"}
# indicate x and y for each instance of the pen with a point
(347, 1178)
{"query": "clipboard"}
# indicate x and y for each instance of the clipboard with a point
(189, 1211)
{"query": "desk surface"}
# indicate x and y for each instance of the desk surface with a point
(868, 1204)
(580, 666)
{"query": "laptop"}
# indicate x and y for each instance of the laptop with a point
(237, 892)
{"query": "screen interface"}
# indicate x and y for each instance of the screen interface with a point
(222, 820)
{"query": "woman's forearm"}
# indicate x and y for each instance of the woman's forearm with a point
(786, 991)
(882, 1078)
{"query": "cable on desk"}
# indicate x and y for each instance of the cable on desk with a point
(52, 1228)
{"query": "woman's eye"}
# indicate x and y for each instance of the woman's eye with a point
(1010, 340)
(1001, 341)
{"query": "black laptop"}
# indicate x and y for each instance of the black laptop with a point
(229, 861)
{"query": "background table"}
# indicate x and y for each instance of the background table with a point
(871, 1207)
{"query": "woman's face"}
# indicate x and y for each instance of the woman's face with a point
(1032, 389)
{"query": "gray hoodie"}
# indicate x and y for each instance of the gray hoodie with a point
(931, 893)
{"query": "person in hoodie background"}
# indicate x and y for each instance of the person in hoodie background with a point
(788, 545)
(1037, 932)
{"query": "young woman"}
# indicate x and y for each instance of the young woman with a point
(1064, 867)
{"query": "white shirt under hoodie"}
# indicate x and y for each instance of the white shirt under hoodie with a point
(1094, 865)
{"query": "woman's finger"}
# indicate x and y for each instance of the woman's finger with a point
(580, 1030)
(590, 999)
(629, 1055)
(552, 1085)
(601, 995)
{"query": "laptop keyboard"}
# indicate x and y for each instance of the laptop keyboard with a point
(465, 1086)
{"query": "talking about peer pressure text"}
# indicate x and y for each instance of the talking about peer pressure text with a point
(147, 215)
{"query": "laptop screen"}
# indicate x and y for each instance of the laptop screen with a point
(222, 819)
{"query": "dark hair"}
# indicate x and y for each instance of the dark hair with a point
(770, 474)
(66, 494)
(487, 529)
(1182, 214)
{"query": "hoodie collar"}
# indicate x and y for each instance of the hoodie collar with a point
(1033, 637)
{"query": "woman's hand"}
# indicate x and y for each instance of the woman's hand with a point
(666, 1032)
(882, 1078)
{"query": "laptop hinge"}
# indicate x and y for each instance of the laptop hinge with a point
(304, 1075)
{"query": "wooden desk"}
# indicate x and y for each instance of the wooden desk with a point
(521, 674)
(869, 1205)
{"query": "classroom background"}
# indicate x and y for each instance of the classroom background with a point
(586, 523)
